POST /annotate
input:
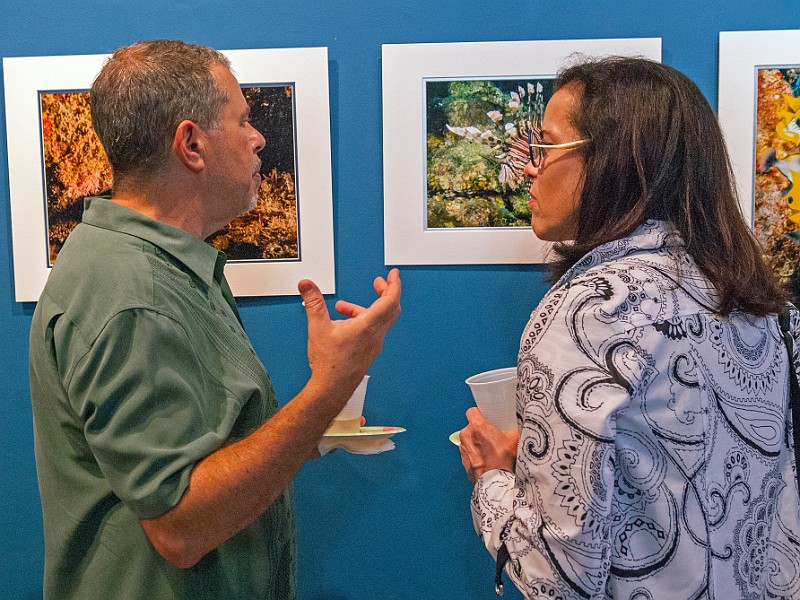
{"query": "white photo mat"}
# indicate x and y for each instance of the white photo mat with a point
(305, 68)
(406, 67)
(741, 55)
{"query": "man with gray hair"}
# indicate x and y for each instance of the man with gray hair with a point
(164, 462)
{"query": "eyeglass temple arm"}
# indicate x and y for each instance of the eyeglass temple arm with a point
(564, 145)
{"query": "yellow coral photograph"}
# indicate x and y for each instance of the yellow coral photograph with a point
(776, 219)
(759, 111)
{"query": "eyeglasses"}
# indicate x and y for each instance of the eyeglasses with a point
(535, 150)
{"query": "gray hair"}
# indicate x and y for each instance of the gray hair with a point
(142, 94)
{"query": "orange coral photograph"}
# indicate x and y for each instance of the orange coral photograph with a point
(75, 166)
(55, 161)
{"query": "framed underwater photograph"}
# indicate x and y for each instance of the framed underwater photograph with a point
(456, 118)
(759, 111)
(476, 149)
(56, 160)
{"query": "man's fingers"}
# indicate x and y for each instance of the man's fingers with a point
(392, 282)
(388, 290)
(380, 285)
(348, 309)
(313, 300)
(394, 287)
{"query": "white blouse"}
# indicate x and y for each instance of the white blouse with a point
(653, 461)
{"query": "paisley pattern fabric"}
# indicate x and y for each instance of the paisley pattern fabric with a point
(653, 459)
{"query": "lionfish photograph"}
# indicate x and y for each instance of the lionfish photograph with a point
(477, 148)
(75, 166)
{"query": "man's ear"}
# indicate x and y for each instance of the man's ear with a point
(189, 145)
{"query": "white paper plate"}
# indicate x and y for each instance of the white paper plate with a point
(373, 432)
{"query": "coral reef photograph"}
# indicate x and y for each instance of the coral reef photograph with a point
(477, 148)
(776, 194)
(75, 166)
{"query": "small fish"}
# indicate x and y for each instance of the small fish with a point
(794, 236)
(495, 115)
(789, 167)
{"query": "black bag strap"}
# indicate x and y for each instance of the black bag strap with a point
(794, 389)
(502, 559)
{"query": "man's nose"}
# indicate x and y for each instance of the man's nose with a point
(260, 141)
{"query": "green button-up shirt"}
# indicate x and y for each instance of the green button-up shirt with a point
(139, 369)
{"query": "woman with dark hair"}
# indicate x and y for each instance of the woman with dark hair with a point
(653, 458)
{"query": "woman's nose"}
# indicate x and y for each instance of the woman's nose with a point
(530, 171)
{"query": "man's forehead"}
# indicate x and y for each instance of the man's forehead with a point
(223, 73)
(228, 82)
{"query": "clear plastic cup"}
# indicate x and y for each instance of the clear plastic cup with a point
(495, 394)
(349, 420)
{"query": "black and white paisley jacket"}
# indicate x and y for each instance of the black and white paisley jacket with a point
(653, 459)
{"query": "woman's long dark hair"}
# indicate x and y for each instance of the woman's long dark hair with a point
(657, 152)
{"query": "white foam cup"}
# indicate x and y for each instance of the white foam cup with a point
(495, 395)
(349, 419)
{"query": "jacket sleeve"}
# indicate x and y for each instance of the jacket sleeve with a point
(578, 367)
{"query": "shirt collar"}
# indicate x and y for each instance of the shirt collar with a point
(202, 259)
(649, 236)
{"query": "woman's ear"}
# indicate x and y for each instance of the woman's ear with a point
(189, 145)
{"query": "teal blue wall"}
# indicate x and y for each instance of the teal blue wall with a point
(397, 525)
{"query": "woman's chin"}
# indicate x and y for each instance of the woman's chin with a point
(543, 234)
(551, 234)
